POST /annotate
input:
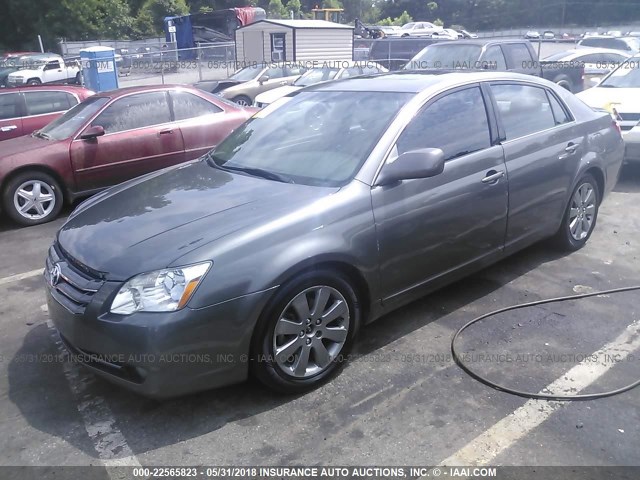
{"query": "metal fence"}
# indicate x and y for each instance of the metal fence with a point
(164, 65)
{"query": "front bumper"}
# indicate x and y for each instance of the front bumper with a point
(160, 355)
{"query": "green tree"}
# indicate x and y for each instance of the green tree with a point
(150, 19)
(294, 6)
(277, 10)
(331, 4)
(403, 18)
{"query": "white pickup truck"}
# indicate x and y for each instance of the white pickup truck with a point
(40, 69)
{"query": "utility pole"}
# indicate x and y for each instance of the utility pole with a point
(564, 12)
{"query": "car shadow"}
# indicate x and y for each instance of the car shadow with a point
(151, 424)
(629, 180)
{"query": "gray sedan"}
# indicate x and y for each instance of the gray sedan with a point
(326, 210)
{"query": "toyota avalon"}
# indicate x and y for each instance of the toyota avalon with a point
(327, 209)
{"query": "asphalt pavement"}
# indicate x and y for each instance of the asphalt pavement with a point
(400, 401)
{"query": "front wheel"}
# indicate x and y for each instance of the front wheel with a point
(34, 81)
(242, 100)
(580, 216)
(31, 198)
(302, 339)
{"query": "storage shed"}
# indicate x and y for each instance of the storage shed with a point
(293, 41)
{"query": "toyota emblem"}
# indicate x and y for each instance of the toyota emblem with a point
(54, 274)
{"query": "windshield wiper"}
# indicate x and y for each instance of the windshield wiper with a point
(256, 172)
(259, 172)
(608, 85)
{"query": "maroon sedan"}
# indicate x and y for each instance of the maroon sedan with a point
(107, 139)
(23, 110)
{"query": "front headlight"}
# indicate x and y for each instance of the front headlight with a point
(160, 291)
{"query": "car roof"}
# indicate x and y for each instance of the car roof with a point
(415, 82)
(484, 41)
(53, 87)
(119, 92)
(590, 50)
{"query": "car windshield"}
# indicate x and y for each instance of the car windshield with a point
(634, 43)
(407, 26)
(626, 75)
(247, 73)
(316, 75)
(317, 138)
(69, 123)
(446, 56)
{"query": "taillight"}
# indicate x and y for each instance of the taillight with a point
(617, 126)
(616, 115)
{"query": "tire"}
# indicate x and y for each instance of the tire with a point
(78, 79)
(242, 100)
(26, 182)
(34, 81)
(573, 236)
(564, 82)
(290, 374)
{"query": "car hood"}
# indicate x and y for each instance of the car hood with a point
(623, 99)
(27, 146)
(271, 96)
(150, 222)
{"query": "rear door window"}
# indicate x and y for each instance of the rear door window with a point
(9, 106)
(41, 103)
(187, 105)
(524, 109)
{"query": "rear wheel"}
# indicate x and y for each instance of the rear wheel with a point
(304, 335)
(580, 216)
(242, 100)
(31, 198)
(564, 82)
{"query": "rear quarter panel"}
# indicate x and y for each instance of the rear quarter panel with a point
(604, 146)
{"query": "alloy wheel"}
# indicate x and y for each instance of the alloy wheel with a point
(311, 331)
(582, 212)
(34, 199)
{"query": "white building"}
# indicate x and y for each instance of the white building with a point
(293, 41)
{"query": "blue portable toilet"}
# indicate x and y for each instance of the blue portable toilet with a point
(99, 68)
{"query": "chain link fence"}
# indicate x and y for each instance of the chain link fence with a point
(152, 64)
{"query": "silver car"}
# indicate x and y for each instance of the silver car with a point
(323, 212)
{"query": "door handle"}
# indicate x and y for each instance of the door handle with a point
(569, 150)
(166, 131)
(8, 128)
(493, 176)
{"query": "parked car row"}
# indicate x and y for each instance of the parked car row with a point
(498, 55)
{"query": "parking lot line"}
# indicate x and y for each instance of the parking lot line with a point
(99, 421)
(488, 445)
(20, 276)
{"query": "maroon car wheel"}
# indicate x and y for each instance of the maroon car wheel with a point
(31, 198)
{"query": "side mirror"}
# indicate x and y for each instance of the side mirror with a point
(263, 79)
(423, 163)
(92, 132)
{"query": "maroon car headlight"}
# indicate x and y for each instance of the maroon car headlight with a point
(164, 290)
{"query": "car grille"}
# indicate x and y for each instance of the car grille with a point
(72, 284)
